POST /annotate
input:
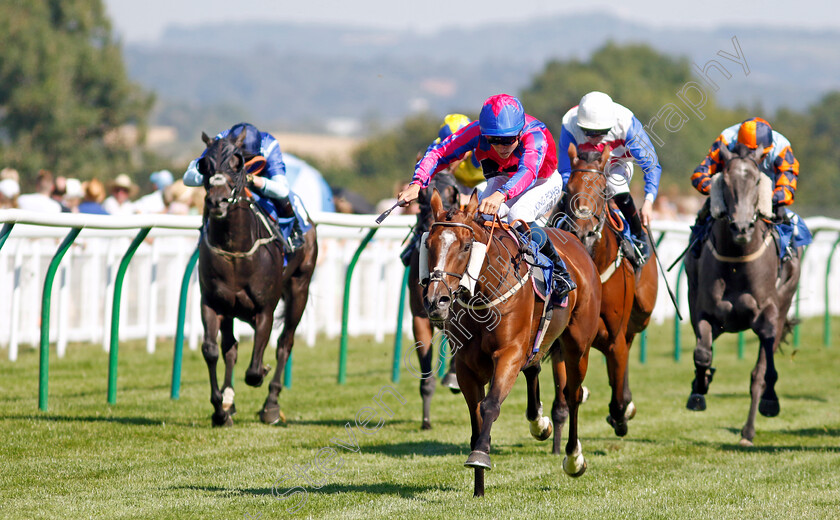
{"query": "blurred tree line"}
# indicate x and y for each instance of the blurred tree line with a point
(644, 81)
(64, 92)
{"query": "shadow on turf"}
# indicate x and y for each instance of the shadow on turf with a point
(792, 397)
(138, 421)
(776, 448)
(404, 491)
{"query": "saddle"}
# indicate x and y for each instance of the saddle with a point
(627, 245)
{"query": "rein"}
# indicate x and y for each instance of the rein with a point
(768, 239)
(602, 217)
(257, 243)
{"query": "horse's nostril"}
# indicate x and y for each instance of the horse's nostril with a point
(443, 302)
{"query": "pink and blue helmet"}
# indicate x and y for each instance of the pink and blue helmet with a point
(501, 115)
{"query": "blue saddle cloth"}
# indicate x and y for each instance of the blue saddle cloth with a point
(625, 228)
(285, 224)
(793, 233)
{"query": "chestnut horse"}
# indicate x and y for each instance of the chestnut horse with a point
(421, 326)
(241, 275)
(493, 333)
(737, 284)
(628, 297)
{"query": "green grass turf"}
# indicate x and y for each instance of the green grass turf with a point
(149, 457)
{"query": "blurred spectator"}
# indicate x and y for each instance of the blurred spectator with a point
(58, 192)
(347, 201)
(94, 195)
(119, 202)
(9, 191)
(11, 174)
(180, 199)
(307, 183)
(153, 202)
(40, 200)
(73, 194)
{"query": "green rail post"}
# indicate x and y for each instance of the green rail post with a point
(444, 344)
(676, 318)
(827, 319)
(342, 353)
(287, 372)
(4, 233)
(44, 367)
(395, 369)
(741, 345)
(115, 314)
(175, 388)
(796, 295)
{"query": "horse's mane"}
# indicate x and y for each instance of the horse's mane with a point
(591, 156)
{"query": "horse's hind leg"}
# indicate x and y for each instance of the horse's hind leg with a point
(560, 408)
(210, 350)
(295, 297)
(422, 329)
(540, 425)
(230, 351)
(576, 355)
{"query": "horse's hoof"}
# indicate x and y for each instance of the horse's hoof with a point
(620, 427)
(478, 459)
(427, 425)
(541, 429)
(227, 399)
(696, 402)
(254, 379)
(272, 415)
(225, 421)
(768, 408)
(578, 473)
(745, 443)
(574, 464)
(450, 381)
(630, 411)
(585, 395)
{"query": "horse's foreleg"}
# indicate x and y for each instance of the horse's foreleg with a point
(560, 408)
(540, 425)
(256, 372)
(703, 371)
(577, 360)
(617, 358)
(423, 336)
(230, 352)
(763, 376)
(473, 389)
(210, 350)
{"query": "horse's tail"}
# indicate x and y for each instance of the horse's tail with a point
(787, 328)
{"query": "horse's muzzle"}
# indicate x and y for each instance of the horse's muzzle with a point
(742, 231)
(437, 307)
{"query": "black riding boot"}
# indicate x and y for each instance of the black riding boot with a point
(286, 210)
(628, 208)
(562, 280)
(699, 230)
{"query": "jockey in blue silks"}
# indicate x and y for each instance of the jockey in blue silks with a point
(271, 189)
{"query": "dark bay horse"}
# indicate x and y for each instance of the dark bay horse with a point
(736, 283)
(493, 333)
(421, 326)
(628, 297)
(241, 275)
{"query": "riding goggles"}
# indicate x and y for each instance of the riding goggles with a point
(589, 132)
(504, 140)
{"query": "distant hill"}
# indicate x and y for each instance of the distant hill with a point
(299, 77)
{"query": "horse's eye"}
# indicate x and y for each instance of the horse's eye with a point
(467, 246)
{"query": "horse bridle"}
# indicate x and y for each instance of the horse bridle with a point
(755, 216)
(239, 178)
(599, 216)
(438, 275)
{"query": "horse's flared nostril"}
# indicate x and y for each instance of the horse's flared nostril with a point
(443, 302)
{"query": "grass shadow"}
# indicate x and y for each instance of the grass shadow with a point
(404, 491)
(137, 421)
(424, 448)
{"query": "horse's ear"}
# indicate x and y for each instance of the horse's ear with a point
(437, 206)
(206, 139)
(472, 205)
(758, 154)
(725, 153)
(241, 137)
(573, 155)
(605, 157)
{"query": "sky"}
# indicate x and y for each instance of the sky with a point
(143, 21)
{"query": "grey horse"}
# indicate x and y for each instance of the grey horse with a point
(737, 282)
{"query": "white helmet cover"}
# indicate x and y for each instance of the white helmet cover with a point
(596, 111)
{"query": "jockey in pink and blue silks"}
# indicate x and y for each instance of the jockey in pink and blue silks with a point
(272, 190)
(519, 158)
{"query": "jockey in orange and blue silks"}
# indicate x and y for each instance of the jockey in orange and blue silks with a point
(778, 161)
(598, 122)
(519, 158)
(271, 189)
